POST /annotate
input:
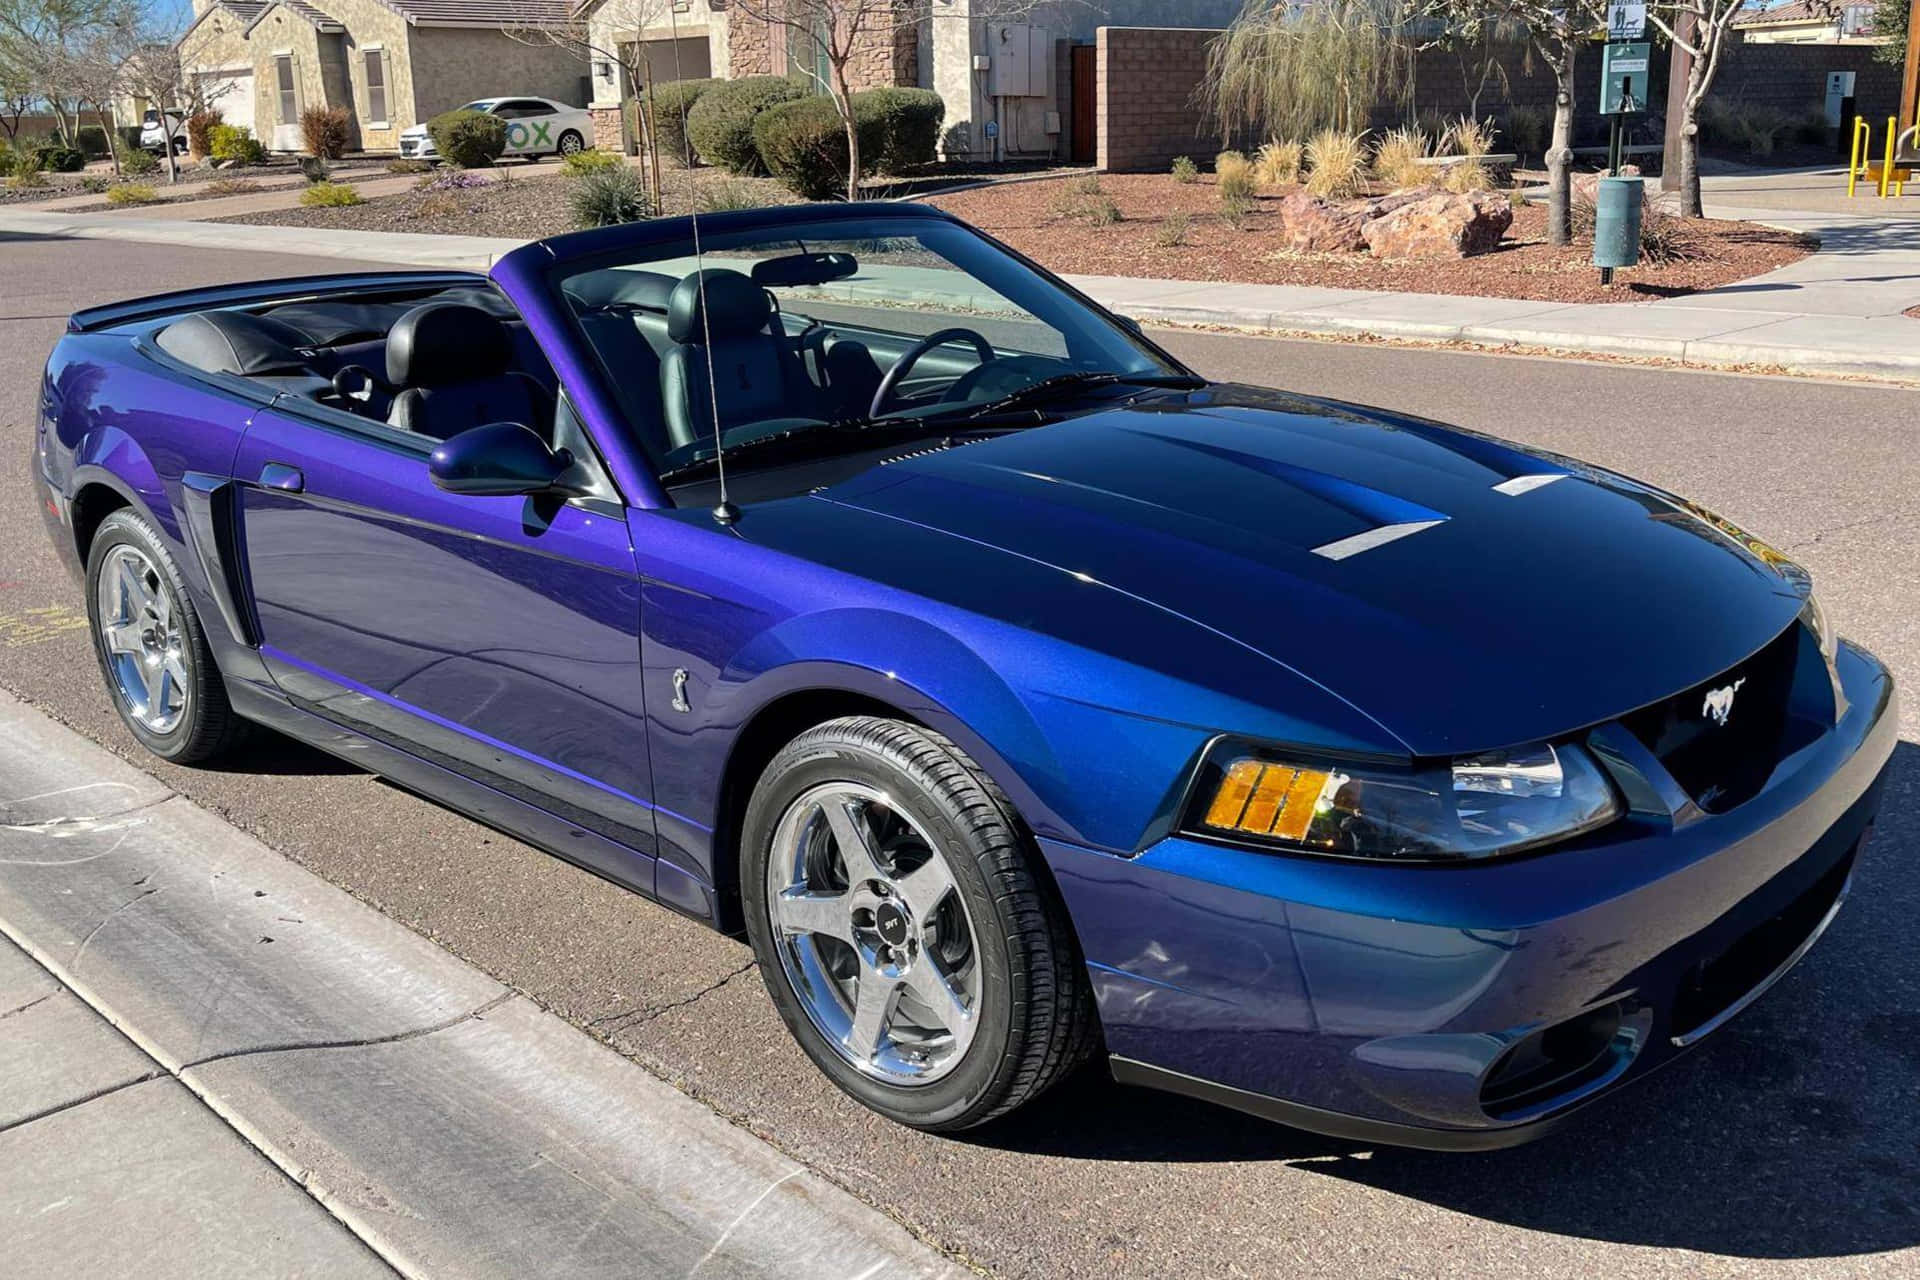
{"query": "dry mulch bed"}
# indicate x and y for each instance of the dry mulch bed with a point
(1039, 218)
(520, 207)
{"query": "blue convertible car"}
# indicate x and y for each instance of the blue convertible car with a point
(838, 577)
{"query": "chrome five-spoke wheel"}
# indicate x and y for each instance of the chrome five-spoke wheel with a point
(872, 934)
(147, 652)
(906, 928)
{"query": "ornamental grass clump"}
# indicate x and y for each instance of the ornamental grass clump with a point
(1277, 164)
(1397, 159)
(1336, 163)
(609, 198)
(330, 195)
(132, 193)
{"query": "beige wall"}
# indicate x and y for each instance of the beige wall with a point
(370, 24)
(216, 43)
(614, 24)
(453, 65)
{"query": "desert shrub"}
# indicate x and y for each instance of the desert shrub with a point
(132, 193)
(469, 139)
(1761, 128)
(26, 178)
(1237, 184)
(1277, 164)
(804, 144)
(1237, 211)
(672, 102)
(1102, 212)
(1469, 137)
(137, 163)
(1226, 161)
(200, 126)
(323, 130)
(581, 163)
(1185, 171)
(1466, 175)
(95, 184)
(1518, 198)
(1172, 231)
(609, 198)
(235, 143)
(229, 187)
(1528, 129)
(408, 166)
(92, 141)
(720, 125)
(1437, 128)
(907, 122)
(331, 195)
(1397, 159)
(1087, 184)
(725, 196)
(440, 204)
(54, 158)
(1336, 163)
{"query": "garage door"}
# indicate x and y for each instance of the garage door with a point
(230, 93)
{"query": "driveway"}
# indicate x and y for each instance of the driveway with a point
(1786, 1148)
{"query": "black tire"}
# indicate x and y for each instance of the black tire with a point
(1035, 1017)
(571, 136)
(208, 726)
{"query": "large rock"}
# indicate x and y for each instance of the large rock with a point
(1444, 225)
(1586, 186)
(1313, 225)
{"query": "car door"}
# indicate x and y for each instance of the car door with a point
(495, 636)
(529, 125)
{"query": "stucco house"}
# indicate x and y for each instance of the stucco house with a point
(390, 63)
(1017, 77)
(1808, 22)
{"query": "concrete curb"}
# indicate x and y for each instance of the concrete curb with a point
(1725, 338)
(450, 1124)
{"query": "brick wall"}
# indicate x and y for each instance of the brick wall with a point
(752, 45)
(1148, 76)
(1145, 112)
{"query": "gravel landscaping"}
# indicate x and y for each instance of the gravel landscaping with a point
(193, 184)
(520, 207)
(1169, 230)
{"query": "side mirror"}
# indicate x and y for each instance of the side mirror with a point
(1130, 325)
(500, 459)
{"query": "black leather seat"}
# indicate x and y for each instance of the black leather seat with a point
(454, 366)
(756, 375)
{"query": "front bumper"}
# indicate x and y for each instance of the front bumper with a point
(1473, 1006)
(417, 148)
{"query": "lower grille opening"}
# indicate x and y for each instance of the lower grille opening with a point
(1711, 986)
(1552, 1062)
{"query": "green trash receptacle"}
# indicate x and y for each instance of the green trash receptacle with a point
(1616, 222)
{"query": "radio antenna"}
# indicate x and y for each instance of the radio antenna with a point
(724, 512)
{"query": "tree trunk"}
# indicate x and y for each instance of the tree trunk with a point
(1560, 153)
(843, 99)
(1697, 79)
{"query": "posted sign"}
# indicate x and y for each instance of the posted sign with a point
(1623, 78)
(1626, 20)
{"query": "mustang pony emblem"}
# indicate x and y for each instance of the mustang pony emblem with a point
(1719, 703)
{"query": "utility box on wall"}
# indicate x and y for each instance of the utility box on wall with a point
(1022, 57)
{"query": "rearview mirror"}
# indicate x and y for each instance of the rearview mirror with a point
(498, 460)
(799, 269)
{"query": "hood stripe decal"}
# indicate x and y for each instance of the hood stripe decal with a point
(1527, 484)
(1341, 548)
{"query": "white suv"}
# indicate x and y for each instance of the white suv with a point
(154, 138)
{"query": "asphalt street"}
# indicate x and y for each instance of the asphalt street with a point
(1787, 1147)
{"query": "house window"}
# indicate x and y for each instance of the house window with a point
(283, 77)
(376, 87)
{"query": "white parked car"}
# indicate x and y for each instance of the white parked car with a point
(153, 135)
(535, 127)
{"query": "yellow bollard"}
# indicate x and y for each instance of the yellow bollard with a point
(1861, 149)
(1886, 168)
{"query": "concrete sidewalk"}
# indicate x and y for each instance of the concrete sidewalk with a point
(1836, 312)
(214, 1064)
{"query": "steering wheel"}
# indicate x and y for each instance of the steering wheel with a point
(911, 356)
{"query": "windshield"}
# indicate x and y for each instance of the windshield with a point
(880, 324)
(481, 105)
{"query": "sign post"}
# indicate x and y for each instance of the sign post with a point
(1624, 74)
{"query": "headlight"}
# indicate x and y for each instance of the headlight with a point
(1476, 807)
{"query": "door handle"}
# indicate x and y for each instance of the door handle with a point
(278, 475)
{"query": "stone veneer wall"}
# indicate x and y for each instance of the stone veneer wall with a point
(888, 52)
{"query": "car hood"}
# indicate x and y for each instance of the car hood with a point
(1464, 593)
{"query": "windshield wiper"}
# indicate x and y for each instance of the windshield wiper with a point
(816, 441)
(1079, 380)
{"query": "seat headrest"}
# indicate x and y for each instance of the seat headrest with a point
(234, 342)
(443, 343)
(736, 307)
(619, 286)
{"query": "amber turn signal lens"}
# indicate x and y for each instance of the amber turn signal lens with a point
(1267, 799)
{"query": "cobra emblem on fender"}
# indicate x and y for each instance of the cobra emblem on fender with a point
(1719, 703)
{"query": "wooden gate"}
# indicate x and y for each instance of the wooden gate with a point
(1086, 103)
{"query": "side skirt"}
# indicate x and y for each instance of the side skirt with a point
(624, 866)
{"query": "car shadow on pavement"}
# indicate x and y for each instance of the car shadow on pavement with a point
(1793, 1133)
